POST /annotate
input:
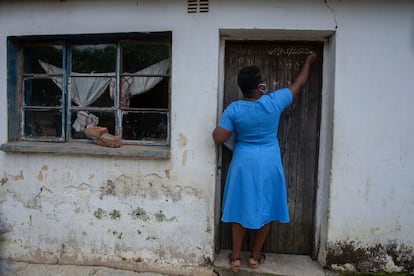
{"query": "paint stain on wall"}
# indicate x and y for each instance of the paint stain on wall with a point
(117, 234)
(19, 176)
(4, 179)
(182, 140)
(151, 186)
(140, 213)
(109, 189)
(174, 192)
(160, 217)
(115, 214)
(184, 159)
(41, 176)
(99, 213)
(380, 257)
(5, 227)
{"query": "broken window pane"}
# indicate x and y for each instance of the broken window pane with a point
(41, 92)
(42, 123)
(82, 119)
(145, 126)
(52, 54)
(156, 97)
(138, 57)
(98, 58)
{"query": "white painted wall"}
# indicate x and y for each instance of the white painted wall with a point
(164, 209)
(372, 178)
(55, 208)
(372, 186)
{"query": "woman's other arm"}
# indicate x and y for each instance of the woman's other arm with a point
(220, 135)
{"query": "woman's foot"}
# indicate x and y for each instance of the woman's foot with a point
(235, 263)
(254, 261)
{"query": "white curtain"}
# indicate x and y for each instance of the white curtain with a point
(85, 90)
(132, 86)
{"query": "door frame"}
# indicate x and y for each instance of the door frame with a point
(326, 124)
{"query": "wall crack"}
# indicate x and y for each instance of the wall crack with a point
(332, 12)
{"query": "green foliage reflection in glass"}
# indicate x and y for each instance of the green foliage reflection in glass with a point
(52, 54)
(41, 92)
(99, 58)
(137, 57)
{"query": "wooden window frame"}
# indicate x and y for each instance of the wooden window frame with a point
(135, 148)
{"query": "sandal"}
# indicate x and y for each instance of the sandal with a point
(235, 263)
(255, 261)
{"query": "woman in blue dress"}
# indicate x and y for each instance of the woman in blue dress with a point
(255, 190)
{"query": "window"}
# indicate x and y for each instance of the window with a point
(61, 85)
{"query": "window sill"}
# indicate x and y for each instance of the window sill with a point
(142, 152)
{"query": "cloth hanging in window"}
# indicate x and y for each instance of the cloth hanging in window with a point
(84, 120)
(131, 86)
(86, 89)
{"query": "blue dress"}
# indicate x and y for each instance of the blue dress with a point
(255, 189)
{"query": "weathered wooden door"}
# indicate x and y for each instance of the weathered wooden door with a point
(298, 136)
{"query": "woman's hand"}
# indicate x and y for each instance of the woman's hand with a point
(312, 57)
(303, 76)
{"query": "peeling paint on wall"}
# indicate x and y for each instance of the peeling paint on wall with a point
(5, 227)
(16, 177)
(4, 179)
(117, 234)
(109, 189)
(150, 186)
(35, 202)
(381, 257)
(160, 217)
(99, 213)
(140, 213)
(115, 214)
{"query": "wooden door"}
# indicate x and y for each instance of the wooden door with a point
(298, 136)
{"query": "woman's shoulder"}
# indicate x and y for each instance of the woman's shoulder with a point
(235, 104)
(280, 91)
(232, 107)
(281, 97)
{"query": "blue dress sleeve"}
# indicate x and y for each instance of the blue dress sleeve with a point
(282, 98)
(225, 120)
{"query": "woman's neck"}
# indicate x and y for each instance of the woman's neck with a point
(253, 98)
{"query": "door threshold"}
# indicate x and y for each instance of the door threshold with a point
(275, 264)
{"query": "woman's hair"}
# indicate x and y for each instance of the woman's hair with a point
(248, 79)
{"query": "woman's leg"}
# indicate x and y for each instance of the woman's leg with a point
(256, 256)
(237, 238)
(259, 239)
